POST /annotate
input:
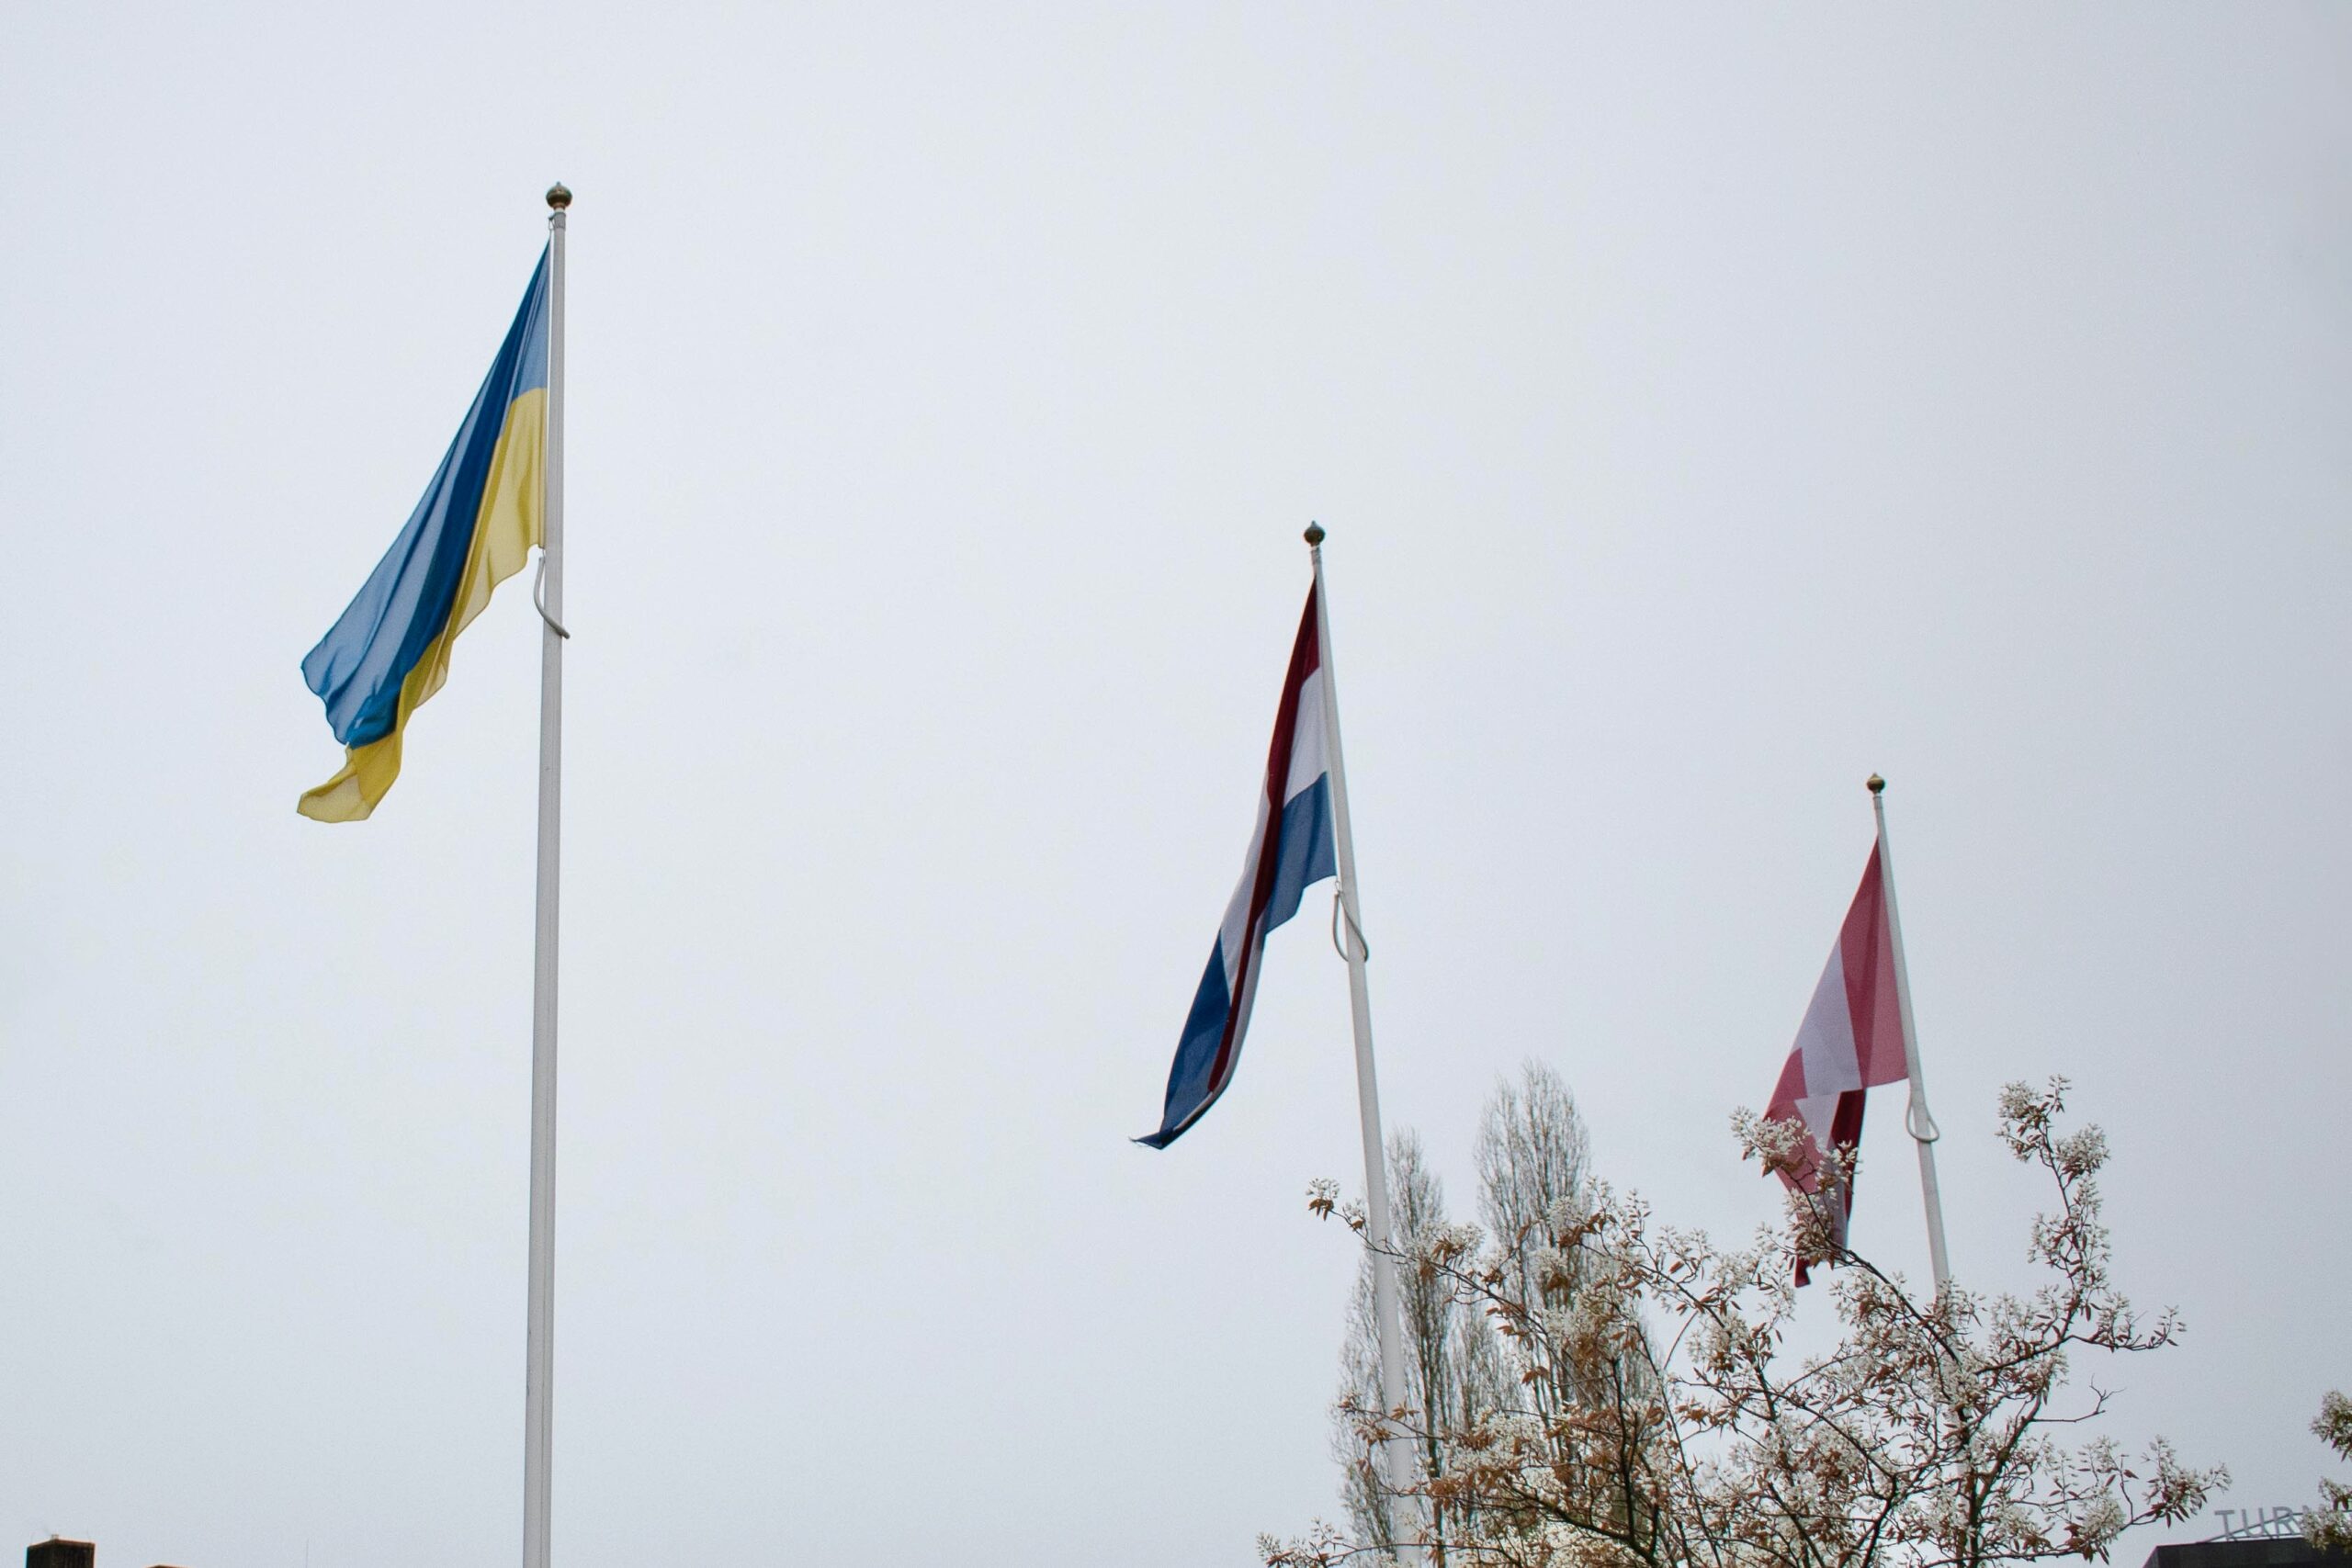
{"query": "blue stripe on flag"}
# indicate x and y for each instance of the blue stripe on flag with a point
(358, 668)
(1305, 855)
(1188, 1080)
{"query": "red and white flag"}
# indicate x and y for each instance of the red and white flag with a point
(1851, 1039)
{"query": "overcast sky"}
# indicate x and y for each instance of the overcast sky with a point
(1707, 409)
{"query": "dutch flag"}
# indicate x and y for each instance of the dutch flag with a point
(1291, 849)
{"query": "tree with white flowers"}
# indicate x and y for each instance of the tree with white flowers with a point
(1652, 1418)
(2329, 1526)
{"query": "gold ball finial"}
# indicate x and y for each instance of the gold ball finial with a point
(1315, 533)
(1875, 784)
(559, 197)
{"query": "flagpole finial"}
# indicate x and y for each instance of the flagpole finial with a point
(1315, 533)
(1875, 784)
(558, 196)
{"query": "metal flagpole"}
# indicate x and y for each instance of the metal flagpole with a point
(539, 1377)
(1917, 1119)
(1385, 1313)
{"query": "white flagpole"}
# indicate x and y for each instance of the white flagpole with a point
(539, 1376)
(1916, 1117)
(1385, 1313)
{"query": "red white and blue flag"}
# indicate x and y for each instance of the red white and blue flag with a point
(1291, 849)
(1850, 1040)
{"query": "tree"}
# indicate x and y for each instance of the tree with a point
(1533, 1158)
(1658, 1422)
(2329, 1526)
(1452, 1362)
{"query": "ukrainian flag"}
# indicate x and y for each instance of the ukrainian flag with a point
(475, 527)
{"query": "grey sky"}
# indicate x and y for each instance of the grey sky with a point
(1707, 409)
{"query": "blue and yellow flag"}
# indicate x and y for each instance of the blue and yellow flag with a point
(475, 527)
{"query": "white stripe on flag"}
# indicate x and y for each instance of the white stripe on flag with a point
(1309, 746)
(1826, 1047)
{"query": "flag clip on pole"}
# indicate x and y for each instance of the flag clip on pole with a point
(1386, 1311)
(538, 1392)
(1917, 1119)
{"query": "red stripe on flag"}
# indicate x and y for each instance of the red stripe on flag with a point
(1866, 944)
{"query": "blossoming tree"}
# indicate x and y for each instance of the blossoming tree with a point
(2329, 1526)
(1651, 1416)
